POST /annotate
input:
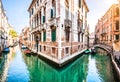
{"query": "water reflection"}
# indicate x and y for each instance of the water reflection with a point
(42, 72)
(19, 67)
(85, 69)
(5, 61)
(93, 75)
(104, 66)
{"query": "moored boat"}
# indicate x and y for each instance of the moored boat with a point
(27, 51)
(23, 47)
(6, 49)
(87, 51)
(93, 50)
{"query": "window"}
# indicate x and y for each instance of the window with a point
(82, 38)
(37, 3)
(67, 33)
(53, 10)
(44, 48)
(67, 50)
(37, 20)
(29, 14)
(110, 37)
(43, 19)
(85, 14)
(117, 11)
(53, 50)
(82, 8)
(79, 3)
(44, 15)
(40, 17)
(78, 37)
(67, 9)
(40, 48)
(40, 37)
(51, 13)
(117, 25)
(44, 36)
(117, 37)
(53, 34)
(32, 11)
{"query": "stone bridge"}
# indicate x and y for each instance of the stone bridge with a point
(106, 47)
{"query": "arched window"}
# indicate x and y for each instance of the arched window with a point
(53, 10)
(117, 11)
(44, 15)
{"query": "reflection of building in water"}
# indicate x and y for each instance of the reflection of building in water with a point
(8, 58)
(43, 71)
(101, 51)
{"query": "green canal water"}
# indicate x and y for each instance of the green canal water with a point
(18, 67)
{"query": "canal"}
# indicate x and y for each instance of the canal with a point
(18, 67)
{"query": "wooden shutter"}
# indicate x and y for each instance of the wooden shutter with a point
(53, 35)
(44, 36)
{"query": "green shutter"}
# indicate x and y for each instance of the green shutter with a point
(51, 13)
(53, 35)
(43, 19)
(44, 36)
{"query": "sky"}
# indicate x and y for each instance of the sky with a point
(16, 11)
(97, 8)
(18, 16)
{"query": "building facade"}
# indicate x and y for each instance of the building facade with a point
(4, 25)
(91, 39)
(24, 37)
(108, 28)
(57, 28)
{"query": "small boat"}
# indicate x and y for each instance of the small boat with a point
(23, 47)
(27, 51)
(6, 49)
(87, 51)
(93, 50)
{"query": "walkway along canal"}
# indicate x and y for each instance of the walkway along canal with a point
(31, 68)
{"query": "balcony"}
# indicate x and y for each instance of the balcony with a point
(67, 23)
(35, 29)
